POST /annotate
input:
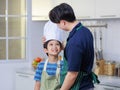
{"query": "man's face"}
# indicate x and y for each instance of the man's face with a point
(62, 25)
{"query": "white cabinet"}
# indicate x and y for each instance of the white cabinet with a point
(102, 87)
(117, 88)
(107, 8)
(56, 2)
(40, 9)
(24, 81)
(84, 9)
(108, 83)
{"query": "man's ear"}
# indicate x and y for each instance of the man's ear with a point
(62, 22)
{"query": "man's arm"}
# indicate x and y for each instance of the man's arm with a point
(69, 80)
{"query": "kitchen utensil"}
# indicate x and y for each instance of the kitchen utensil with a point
(101, 49)
(96, 49)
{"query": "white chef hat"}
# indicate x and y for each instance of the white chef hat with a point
(51, 31)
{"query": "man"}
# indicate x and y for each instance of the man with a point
(79, 50)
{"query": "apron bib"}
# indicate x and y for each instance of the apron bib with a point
(50, 82)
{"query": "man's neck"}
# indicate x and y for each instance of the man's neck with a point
(72, 25)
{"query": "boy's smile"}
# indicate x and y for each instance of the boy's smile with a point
(53, 47)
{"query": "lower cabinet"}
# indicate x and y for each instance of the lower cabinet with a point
(103, 87)
(117, 88)
(24, 81)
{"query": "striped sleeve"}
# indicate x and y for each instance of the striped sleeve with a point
(38, 72)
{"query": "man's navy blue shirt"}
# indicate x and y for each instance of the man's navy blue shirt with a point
(79, 52)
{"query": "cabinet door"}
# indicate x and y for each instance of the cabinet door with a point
(24, 82)
(117, 89)
(56, 2)
(107, 8)
(40, 9)
(84, 9)
(102, 87)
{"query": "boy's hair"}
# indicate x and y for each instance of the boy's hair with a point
(46, 44)
(62, 12)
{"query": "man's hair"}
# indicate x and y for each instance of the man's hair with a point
(62, 12)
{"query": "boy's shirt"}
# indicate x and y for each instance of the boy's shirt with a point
(50, 69)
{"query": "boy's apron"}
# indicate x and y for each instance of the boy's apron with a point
(50, 82)
(80, 76)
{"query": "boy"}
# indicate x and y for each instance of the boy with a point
(48, 72)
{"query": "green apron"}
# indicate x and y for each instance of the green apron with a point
(80, 76)
(50, 82)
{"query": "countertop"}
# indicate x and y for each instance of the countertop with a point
(104, 80)
(29, 71)
(109, 80)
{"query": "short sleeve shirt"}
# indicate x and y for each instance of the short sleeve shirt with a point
(51, 69)
(79, 52)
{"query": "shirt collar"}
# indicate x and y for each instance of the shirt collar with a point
(73, 31)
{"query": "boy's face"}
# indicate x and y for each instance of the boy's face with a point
(53, 48)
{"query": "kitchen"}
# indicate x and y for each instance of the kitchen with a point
(111, 50)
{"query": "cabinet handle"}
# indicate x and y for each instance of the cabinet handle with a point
(40, 18)
(84, 17)
(108, 16)
(108, 88)
(24, 76)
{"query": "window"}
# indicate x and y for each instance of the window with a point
(13, 30)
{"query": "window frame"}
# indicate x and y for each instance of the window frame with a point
(6, 16)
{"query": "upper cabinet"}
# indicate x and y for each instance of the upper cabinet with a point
(84, 9)
(40, 9)
(56, 2)
(107, 8)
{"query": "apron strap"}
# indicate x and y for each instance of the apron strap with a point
(45, 65)
(58, 66)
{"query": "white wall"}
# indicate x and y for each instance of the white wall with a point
(36, 37)
(110, 39)
(111, 42)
